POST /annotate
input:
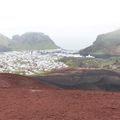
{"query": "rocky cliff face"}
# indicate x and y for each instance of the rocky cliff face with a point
(106, 45)
(27, 41)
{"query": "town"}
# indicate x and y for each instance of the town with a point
(33, 62)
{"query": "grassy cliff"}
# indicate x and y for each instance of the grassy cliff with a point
(106, 45)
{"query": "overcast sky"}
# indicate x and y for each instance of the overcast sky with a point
(72, 24)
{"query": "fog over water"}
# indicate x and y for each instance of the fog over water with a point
(72, 24)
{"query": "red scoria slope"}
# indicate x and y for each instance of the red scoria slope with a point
(17, 81)
(28, 104)
(19, 100)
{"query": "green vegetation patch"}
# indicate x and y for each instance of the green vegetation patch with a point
(88, 62)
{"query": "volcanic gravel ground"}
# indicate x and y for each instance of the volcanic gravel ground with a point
(17, 81)
(26, 98)
(83, 79)
(29, 104)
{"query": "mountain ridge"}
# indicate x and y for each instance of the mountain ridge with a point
(26, 41)
(105, 45)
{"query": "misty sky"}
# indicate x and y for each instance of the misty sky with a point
(72, 24)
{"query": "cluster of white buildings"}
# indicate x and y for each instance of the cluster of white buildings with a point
(28, 63)
(33, 62)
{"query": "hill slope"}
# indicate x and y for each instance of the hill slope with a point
(26, 98)
(17, 81)
(68, 78)
(27, 41)
(32, 41)
(105, 45)
(4, 43)
(85, 79)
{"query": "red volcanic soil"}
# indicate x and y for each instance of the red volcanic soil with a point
(25, 98)
(17, 81)
(28, 104)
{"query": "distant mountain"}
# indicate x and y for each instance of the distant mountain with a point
(4, 43)
(32, 41)
(27, 41)
(106, 45)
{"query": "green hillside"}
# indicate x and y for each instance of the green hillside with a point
(32, 41)
(4, 43)
(105, 45)
(27, 41)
